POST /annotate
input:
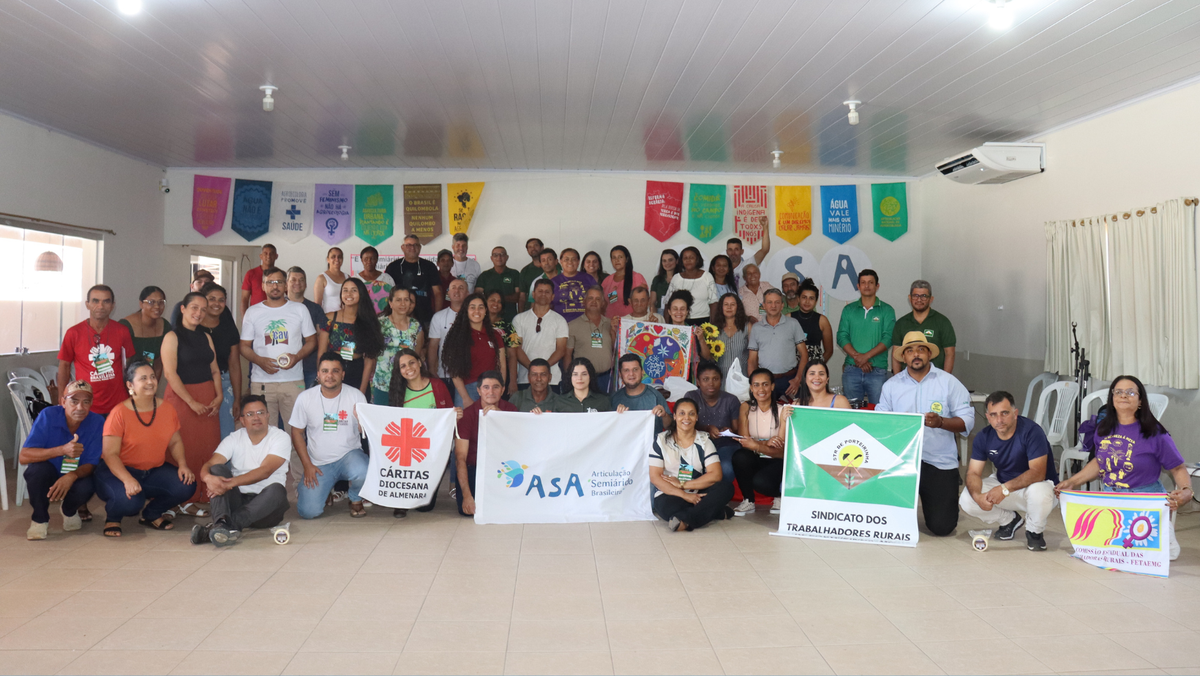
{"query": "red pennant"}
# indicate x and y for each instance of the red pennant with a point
(664, 207)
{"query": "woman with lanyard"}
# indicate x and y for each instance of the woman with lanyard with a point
(668, 263)
(354, 333)
(194, 390)
(620, 284)
(697, 282)
(135, 475)
(678, 307)
(379, 283)
(815, 392)
(594, 266)
(412, 387)
(327, 289)
(758, 464)
(226, 339)
(1132, 450)
(471, 347)
(495, 306)
(686, 474)
(734, 334)
(148, 327)
(400, 330)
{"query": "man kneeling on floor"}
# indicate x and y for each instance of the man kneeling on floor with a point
(246, 477)
(1025, 474)
(60, 454)
(325, 434)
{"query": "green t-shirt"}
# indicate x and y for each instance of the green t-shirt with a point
(421, 399)
(937, 329)
(864, 329)
(523, 400)
(529, 273)
(567, 403)
(659, 286)
(507, 283)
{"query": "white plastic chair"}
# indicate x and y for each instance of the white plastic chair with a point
(1055, 422)
(50, 374)
(18, 392)
(22, 372)
(3, 485)
(1096, 399)
(1045, 380)
(1158, 404)
(31, 385)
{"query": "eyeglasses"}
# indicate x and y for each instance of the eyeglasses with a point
(539, 326)
(155, 303)
(921, 296)
(1132, 393)
(254, 414)
(274, 282)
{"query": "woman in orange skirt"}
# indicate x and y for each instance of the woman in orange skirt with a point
(194, 390)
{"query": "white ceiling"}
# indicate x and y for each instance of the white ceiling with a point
(695, 85)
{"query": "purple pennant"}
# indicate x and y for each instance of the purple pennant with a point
(333, 213)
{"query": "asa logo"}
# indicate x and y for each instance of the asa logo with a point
(513, 474)
(405, 443)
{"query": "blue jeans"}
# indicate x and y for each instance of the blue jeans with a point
(161, 490)
(227, 405)
(41, 476)
(352, 467)
(856, 384)
(472, 391)
(1156, 487)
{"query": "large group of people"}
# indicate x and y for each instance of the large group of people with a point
(542, 339)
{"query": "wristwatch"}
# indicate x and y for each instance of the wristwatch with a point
(1004, 490)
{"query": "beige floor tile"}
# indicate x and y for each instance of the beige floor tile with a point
(29, 602)
(483, 582)
(44, 579)
(905, 599)
(381, 607)
(463, 564)
(412, 547)
(188, 604)
(448, 636)
(1135, 617)
(973, 656)
(45, 633)
(633, 563)
(138, 581)
(28, 662)
(775, 632)
(357, 636)
(557, 635)
(861, 556)
(808, 601)
(7, 624)
(1128, 672)
(639, 635)
(961, 574)
(773, 661)
(549, 546)
(623, 530)
(253, 560)
(883, 578)
(899, 658)
(1164, 649)
(752, 605)
(386, 563)
(715, 582)
(143, 634)
(347, 663)
(799, 559)
(556, 531)
(841, 628)
(93, 560)
(648, 607)
(450, 663)
(273, 634)
(398, 582)
(171, 560)
(1190, 671)
(942, 625)
(653, 581)
(1033, 622)
(219, 663)
(119, 662)
(582, 662)
(562, 584)
(977, 596)
(692, 662)
(557, 563)
(89, 604)
(1082, 654)
(585, 607)
(231, 583)
(291, 583)
(290, 605)
(467, 608)
(1064, 592)
(730, 563)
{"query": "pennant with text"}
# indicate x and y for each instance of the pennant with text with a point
(664, 208)
(464, 197)
(373, 212)
(251, 208)
(839, 211)
(423, 211)
(210, 201)
(706, 211)
(793, 212)
(332, 213)
(749, 208)
(291, 211)
(889, 207)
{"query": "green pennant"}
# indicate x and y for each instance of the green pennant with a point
(374, 213)
(889, 206)
(706, 211)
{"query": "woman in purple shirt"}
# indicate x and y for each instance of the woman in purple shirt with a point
(1133, 449)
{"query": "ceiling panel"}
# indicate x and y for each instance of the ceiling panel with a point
(694, 85)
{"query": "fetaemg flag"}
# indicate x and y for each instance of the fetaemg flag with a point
(1130, 532)
(852, 476)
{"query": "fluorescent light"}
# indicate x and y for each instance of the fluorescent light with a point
(129, 7)
(1001, 17)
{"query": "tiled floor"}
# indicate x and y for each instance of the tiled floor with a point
(434, 593)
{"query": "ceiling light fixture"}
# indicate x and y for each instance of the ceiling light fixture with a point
(268, 98)
(1001, 17)
(345, 152)
(129, 7)
(777, 163)
(852, 116)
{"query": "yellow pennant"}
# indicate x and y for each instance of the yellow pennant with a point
(793, 212)
(463, 198)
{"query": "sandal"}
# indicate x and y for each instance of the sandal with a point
(162, 523)
(193, 509)
(112, 531)
(84, 513)
(357, 511)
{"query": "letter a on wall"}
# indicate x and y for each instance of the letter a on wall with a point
(793, 212)
(664, 207)
(839, 211)
(464, 197)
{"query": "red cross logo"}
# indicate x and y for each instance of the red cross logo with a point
(342, 415)
(405, 442)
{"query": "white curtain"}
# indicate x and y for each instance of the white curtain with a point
(1155, 329)
(1077, 292)
(1058, 305)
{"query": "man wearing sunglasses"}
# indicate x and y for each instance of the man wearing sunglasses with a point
(936, 327)
(246, 478)
(97, 348)
(543, 334)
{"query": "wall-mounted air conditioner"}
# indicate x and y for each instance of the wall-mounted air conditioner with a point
(993, 163)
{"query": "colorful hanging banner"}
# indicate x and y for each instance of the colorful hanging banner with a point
(839, 212)
(464, 197)
(291, 212)
(210, 201)
(251, 208)
(706, 211)
(373, 208)
(749, 207)
(793, 212)
(423, 211)
(1130, 532)
(333, 212)
(889, 207)
(664, 208)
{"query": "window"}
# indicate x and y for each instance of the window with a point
(213, 265)
(42, 285)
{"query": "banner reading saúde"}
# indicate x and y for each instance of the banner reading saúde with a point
(852, 476)
(423, 211)
(749, 207)
(664, 207)
(210, 201)
(563, 467)
(464, 197)
(292, 211)
(889, 208)
(333, 212)
(839, 211)
(409, 449)
(1119, 531)
(793, 212)
(373, 206)
(665, 349)
(706, 211)
(251, 208)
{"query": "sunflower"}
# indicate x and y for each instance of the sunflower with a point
(709, 331)
(718, 349)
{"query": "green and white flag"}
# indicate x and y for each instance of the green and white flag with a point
(852, 476)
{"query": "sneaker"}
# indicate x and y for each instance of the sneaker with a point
(73, 522)
(673, 524)
(222, 535)
(399, 513)
(776, 505)
(1035, 541)
(337, 496)
(1008, 530)
(746, 507)
(37, 531)
(200, 534)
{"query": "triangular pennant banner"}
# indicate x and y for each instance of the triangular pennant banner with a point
(292, 212)
(793, 212)
(464, 197)
(749, 208)
(706, 211)
(839, 212)
(889, 208)
(210, 201)
(334, 211)
(374, 206)
(664, 207)
(423, 211)
(251, 208)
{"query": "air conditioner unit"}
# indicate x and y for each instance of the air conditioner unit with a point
(994, 163)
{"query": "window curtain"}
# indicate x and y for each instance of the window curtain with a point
(1155, 326)
(1058, 303)
(1077, 292)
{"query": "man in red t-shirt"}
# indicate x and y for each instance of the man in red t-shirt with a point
(252, 288)
(97, 348)
(466, 445)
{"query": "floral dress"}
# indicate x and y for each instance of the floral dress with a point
(393, 340)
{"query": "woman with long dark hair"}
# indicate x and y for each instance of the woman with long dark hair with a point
(472, 346)
(815, 391)
(686, 473)
(411, 386)
(326, 290)
(218, 322)
(758, 464)
(620, 284)
(400, 329)
(594, 266)
(734, 335)
(698, 282)
(354, 333)
(1132, 450)
(668, 265)
(148, 326)
(583, 395)
(495, 307)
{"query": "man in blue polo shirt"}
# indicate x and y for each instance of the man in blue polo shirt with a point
(1025, 474)
(60, 454)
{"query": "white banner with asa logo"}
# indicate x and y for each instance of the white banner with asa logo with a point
(409, 449)
(564, 467)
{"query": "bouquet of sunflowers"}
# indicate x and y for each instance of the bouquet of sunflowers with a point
(712, 335)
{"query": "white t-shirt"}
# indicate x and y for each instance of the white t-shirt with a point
(439, 326)
(245, 456)
(703, 290)
(276, 330)
(330, 423)
(539, 344)
(467, 270)
(737, 272)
